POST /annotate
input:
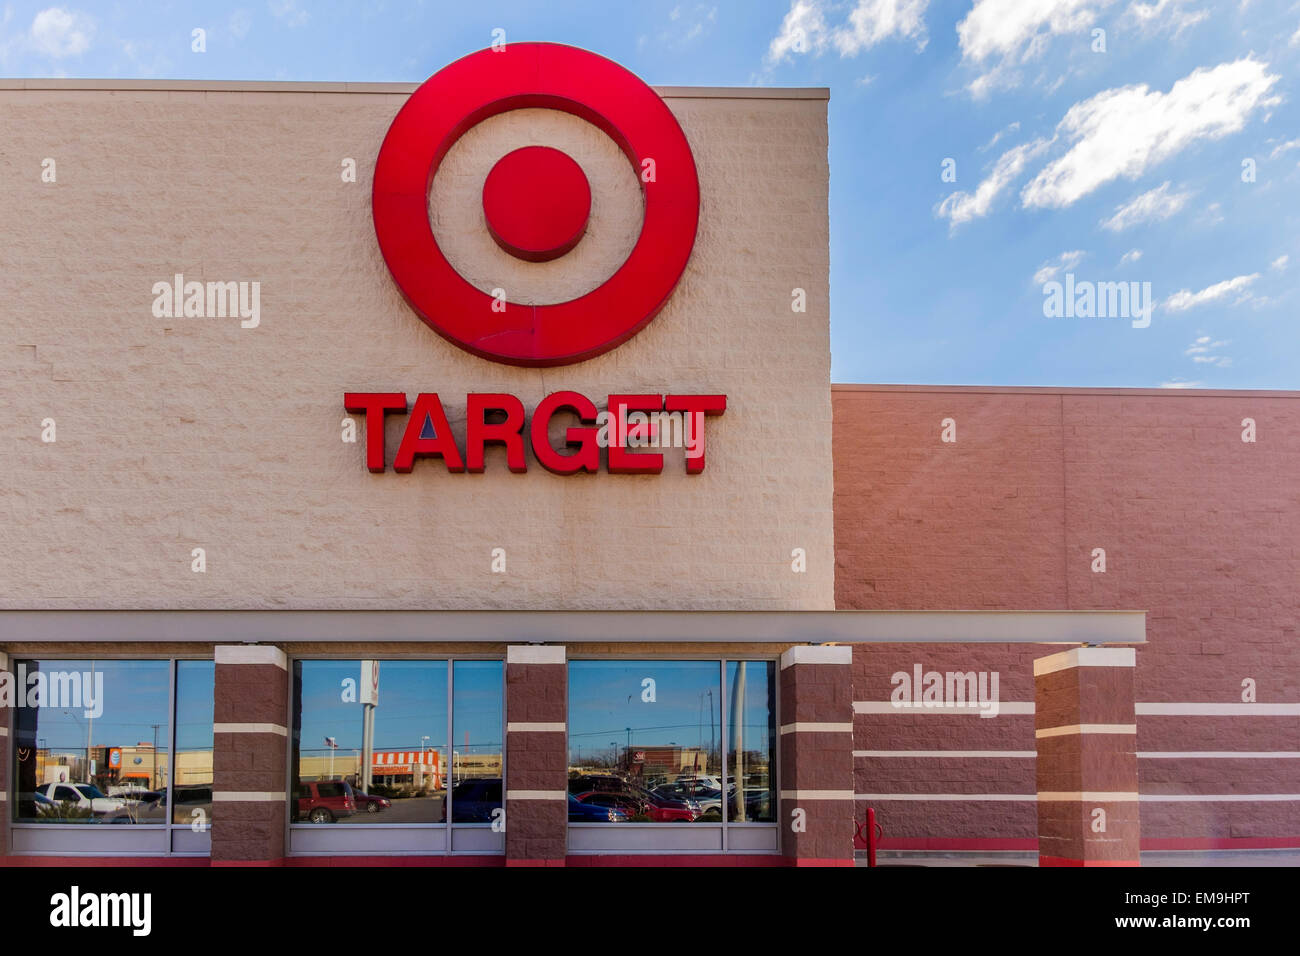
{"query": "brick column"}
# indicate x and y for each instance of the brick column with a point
(1086, 735)
(6, 731)
(249, 785)
(537, 774)
(816, 725)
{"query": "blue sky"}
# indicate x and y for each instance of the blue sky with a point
(1122, 163)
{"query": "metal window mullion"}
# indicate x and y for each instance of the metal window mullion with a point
(451, 740)
(174, 667)
(722, 722)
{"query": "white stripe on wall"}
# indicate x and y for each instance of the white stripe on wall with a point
(809, 727)
(535, 727)
(817, 795)
(955, 754)
(816, 654)
(1070, 729)
(1224, 709)
(1143, 798)
(250, 729)
(535, 654)
(1019, 797)
(537, 794)
(4, 731)
(919, 707)
(1089, 796)
(1152, 755)
(249, 796)
(1218, 797)
(1218, 709)
(1086, 657)
(1219, 754)
(250, 654)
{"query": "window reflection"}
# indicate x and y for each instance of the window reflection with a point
(192, 788)
(645, 742)
(646, 739)
(477, 741)
(370, 742)
(91, 741)
(751, 741)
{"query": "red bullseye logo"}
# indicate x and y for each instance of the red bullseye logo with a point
(536, 202)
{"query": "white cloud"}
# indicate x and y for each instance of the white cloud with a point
(1133, 255)
(1295, 38)
(1011, 128)
(805, 29)
(288, 12)
(1280, 262)
(1203, 352)
(874, 21)
(1181, 383)
(1066, 260)
(1009, 33)
(60, 33)
(240, 23)
(685, 26)
(1284, 148)
(960, 207)
(1164, 15)
(1124, 131)
(802, 31)
(1185, 299)
(1153, 205)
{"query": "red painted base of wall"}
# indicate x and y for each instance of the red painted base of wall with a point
(99, 861)
(1064, 861)
(535, 863)
(1031, 843)
(955, 843)
(391, 861)
(1221, 843)
(679, 859)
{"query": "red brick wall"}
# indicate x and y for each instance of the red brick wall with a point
(1200, 529)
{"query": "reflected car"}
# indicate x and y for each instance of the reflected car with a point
(325, 801)
(707, 801)
(147, 799)
(580, 812)
(473, 800)
(638, 803)
(370, 803)
(700, 781)
(83, 795)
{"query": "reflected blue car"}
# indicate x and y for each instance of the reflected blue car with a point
(580, 812)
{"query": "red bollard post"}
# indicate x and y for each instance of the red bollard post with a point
(874, 830)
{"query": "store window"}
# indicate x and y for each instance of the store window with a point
(192, 788)
(751, 741)
(93, 745)
(671, 742)
(385, 744)
(370, 742)
(478, 742)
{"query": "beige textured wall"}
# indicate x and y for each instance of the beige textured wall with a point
(180, 433)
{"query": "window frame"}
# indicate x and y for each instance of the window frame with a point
(72, 839)
(314, 840)
(751, 838)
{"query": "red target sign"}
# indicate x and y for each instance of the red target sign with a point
(536, 202)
